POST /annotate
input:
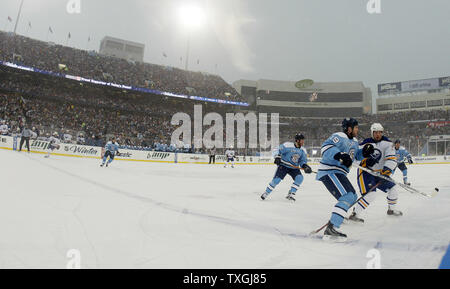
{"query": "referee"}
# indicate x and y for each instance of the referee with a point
(212, 156)
(26, 134)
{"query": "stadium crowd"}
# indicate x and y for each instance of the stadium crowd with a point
(89, 64)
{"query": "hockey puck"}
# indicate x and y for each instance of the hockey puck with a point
(436, 189)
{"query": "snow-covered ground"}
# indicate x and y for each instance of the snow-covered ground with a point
(150, 215)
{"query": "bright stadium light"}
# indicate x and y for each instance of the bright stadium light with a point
(192, 16)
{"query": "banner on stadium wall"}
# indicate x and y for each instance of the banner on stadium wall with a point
(431, 159)
(121, 86)
(193, 158)
(74, 150)
(6, 142)
(389, 87)
(415, 85)
(436, 124)
(444, 81)
(66, 149)
(145, 156)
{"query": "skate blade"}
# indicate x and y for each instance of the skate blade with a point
(351, 222)
(336, 239)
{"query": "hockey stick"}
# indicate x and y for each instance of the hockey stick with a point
(371, 190)
(406, 187)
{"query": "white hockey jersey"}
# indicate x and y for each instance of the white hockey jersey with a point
(384, 153)
(4, 129)
(229, 153)
(53, 140)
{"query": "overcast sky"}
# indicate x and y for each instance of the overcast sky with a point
(325, 40)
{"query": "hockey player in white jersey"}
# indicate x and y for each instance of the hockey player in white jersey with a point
(4, 129)
(229, 154)
(53, 144)
(382, 159)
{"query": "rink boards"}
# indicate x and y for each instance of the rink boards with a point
(83, 151)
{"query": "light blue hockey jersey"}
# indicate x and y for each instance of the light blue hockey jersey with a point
(337, 142)
(401, 154)
(291, 155)
(112, 147)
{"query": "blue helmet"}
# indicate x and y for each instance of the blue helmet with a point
(349, 122)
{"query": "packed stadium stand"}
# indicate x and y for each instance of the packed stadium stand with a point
(88, 113)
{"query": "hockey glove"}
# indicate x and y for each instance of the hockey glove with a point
(368, 162)
(386, 172)
(410, 161)
(307, 169)
(277, 160)
(368, 150)
(344, 158)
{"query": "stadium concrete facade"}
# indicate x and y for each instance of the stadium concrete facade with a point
(307, 98)
(425, 94)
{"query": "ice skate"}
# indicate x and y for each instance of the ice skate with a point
(331, 234)
(355, 219)
(290, 197)
(395, 213)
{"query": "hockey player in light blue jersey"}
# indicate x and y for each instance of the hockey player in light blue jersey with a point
(338, 153)
(111, 149)
(288, 157)
(401, 153)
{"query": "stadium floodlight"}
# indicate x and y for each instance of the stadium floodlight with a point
(191, 16)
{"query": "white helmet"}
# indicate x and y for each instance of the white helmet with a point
(376, 127)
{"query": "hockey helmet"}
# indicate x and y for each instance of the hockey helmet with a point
(376, 127)
(349, 122)
(299, 136)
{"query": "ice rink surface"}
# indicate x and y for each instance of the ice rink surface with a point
(152, 215)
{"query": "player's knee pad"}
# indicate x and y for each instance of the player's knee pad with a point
(275, 182)
(348, 199)
(405, 172)
(392, 193)
(298, 180)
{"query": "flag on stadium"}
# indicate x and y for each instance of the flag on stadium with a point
(9, 19)
(29, 24)
(89, 38)
(50, 29)
(164, 54)
(313, 96)
(198, 61)
(69, 36)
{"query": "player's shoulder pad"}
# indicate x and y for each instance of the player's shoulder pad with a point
(339, 134)
(402, 148)
(304, 150)
(366, 141)
(288, 145)
(385, 139)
